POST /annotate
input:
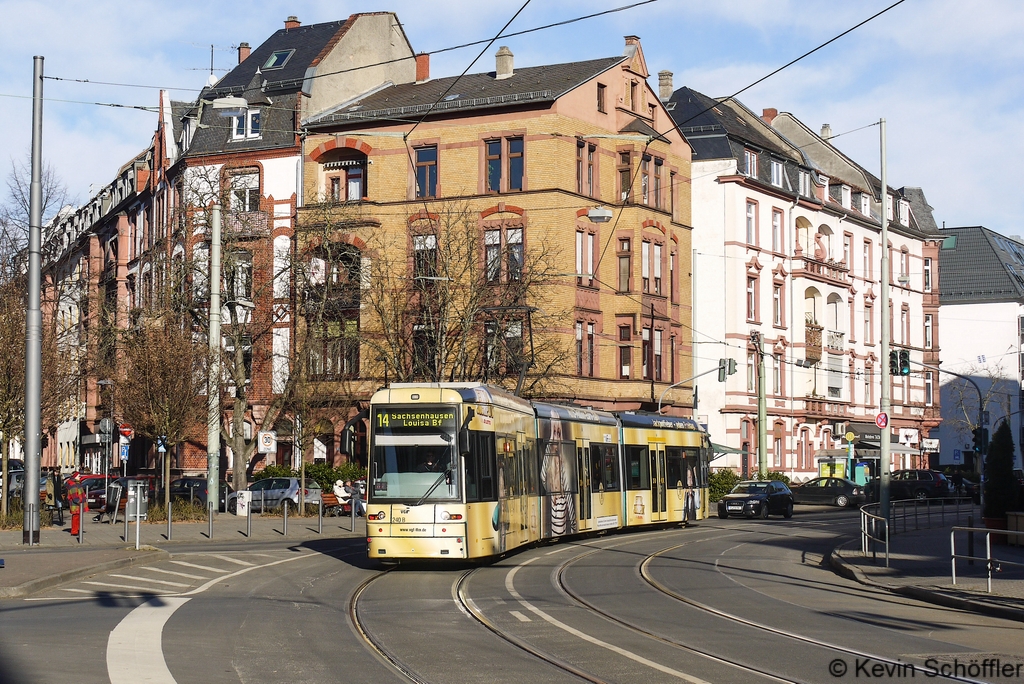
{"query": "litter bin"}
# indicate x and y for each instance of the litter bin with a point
(243, 503)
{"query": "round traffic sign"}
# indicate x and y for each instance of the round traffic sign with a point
(882, 420)
(126, 430)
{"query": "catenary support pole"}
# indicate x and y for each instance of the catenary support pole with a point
(34, 318)
(213, 382)
(884, 463)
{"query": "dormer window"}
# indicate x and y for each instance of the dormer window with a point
(246, 126)
(847, 197)
(750, 161)
(904, 213)
(777, 173)
(865, 204)
(278, 59)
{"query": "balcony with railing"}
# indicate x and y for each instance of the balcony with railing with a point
(246, 223)
(825, 271)
(812, 339)
(834, 341)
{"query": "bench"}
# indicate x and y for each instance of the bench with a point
(332, 506)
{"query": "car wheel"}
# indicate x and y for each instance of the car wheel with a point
(764, 511)
(842, 501)
(788, 513)
(921, 495)
(233, 506)
(722, 514)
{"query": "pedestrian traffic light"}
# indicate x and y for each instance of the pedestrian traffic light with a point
(904, 362)
(894, 363)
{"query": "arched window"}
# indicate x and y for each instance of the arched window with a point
(344, 175)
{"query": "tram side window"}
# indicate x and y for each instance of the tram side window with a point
(676, 470)
(481, 484)
(604, 468)
(693, 469)
(530, 465)
(639, 467)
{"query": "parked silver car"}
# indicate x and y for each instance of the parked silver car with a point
(271, 492)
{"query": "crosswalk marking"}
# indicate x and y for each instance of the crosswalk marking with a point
(155, 581)
(172, 572)
(229, 559)
(219, 571)
(120, 586)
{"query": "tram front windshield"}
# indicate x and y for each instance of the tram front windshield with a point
(414, 455)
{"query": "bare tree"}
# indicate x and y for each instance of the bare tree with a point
(997, 390)
(162, 372)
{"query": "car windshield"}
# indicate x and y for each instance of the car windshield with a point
(414, 454)
(750, 488)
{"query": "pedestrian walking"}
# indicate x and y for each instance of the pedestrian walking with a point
(76, 499)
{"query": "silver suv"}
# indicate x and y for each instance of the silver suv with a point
(271, 492)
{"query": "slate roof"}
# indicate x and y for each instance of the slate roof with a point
(983, 267)
(472, 92)
(708, 131)
(276, 101)
(920, 210)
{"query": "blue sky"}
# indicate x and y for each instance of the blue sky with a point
(945, 74)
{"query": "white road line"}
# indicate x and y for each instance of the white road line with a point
(79, 591)
(172, 572)
(155, 581)
(134, 648)
(510, 587)
(219, 571)
(229, 559)
(120, 586)
(519, 616)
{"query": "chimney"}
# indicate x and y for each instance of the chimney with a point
(826, 131)
(292, 22)
(243, 52)
(769, 114)
(503, 63)
(665, 85)
(422, 67)
(632, 40)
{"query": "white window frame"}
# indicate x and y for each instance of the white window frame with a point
(776, 173)
(751, 223)
(928, 331)
(927, 274)
(247, 126)
(750, 162)
(805, 184)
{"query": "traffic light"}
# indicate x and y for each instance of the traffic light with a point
(904, 362)
(726, 367)
(980, 437)
(894, 363)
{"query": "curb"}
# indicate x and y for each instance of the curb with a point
(146, 555)
(840, 567)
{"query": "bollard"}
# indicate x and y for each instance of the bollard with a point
(209, 518)
(170, 516)
(285, 529)
(125, 523)
(248, 522)
(138, 519)
(353, 500)
(263, 501)
(320, 516)
(970, 540)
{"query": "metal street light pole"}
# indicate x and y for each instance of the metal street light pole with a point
(34, 321)
(213, 381)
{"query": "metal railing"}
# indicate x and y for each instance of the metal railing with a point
(921, 513)
(990, 562)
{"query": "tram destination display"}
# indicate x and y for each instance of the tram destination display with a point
(401, 418)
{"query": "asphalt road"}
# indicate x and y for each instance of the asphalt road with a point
(722, 601)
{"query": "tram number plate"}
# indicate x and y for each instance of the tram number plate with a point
(398, 520)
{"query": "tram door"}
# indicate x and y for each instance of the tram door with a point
(583, 473)
(658, 479)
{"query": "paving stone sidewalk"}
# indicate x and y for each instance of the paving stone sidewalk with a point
(59, 557)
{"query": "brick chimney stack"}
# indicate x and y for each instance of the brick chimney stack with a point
(243, 52)
(665, 85)
(769, 114)
(292, 22)
(422, 67)
(503, 63)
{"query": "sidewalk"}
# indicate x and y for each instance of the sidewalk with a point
(920, 566)
(59, 557)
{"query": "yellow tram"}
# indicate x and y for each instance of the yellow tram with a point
(465, 470)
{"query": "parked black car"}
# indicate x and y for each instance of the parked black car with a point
(912, 484)
(194, 489)
(835, 491)
(757, 498)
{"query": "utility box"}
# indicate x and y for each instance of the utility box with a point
(243, 503)
(1015, 523)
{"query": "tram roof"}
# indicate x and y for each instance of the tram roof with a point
(574, 413)
(653, 420)
(472, 392)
